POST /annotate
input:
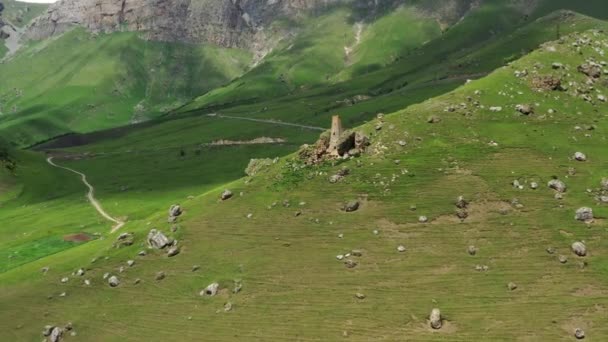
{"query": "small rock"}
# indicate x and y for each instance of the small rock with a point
(175, 210)
(525, 109)
(433, 119)
(435, 319)
(533, 185)
(44, 269)
(130, 263)
(579, 334)
(113, 281)
(349, 263)
(65, 279)
(461, 202)
(227, 194)
(210, 290)
(401, 248)
(160, 275)
(557, 185)
(423, 219)
(580, 156)
(228, 307)
(106, 275)
(80, 272)
(47, 330)
(359, 295)
(512, 286)
(472, 250)
(195, 268)
(56, 334)
(356, 252)
(142, 253)
(550, 250)
(339, 256)
(562, 259)
(584, 214)
(579, 249)
(137, 281)
(351, 206)
(173, 251)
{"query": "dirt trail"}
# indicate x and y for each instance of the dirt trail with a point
(91, 196)
(274, 122)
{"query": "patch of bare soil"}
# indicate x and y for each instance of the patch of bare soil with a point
(80, 237)
(590, 291)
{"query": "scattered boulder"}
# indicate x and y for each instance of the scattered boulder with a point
(65, 279)
(356, 252)
(580, 156)
(423, 219)
(351, 206)
(512, 286)
(401, 248)
(174, 211)
(579, 249)
(461, 203)
(472, 250)
(562, 259)
(557, 185)
(359, 295)
(142, 253)
(584, 214)
(173, 251)
(124, 239)
(495, 109)
(158, 240)
(579, 334)
(160, 275)
(433, 119)
(56, 334)
(195, 268)
(80, 272)
(590, 69)
(435, 319)
(113, 281)
(349, 263)
(533, 185)
(130, 263)
(525, 109)
(227, 194)
(462, 214)
(46, 331)
(210, 290)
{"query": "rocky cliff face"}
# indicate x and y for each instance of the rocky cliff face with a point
(227, 23)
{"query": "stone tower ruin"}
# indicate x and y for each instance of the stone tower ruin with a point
(336, 132)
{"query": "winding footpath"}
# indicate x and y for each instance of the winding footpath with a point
(91, 196)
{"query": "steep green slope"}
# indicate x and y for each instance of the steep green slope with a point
(388, 51)
(293, 288)
(82, 82)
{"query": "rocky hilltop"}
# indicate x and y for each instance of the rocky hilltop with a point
(226, 23)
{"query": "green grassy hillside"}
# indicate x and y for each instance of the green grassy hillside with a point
(293, 288)
(21, 13)
(82, 82)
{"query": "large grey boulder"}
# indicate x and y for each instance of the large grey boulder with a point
(156, 239)
(579, 249)
(435, 319)
(584, 214)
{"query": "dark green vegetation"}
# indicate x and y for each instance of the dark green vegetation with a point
(293, 286)
(81, 82)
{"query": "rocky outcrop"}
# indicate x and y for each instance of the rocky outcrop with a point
(226, 23)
